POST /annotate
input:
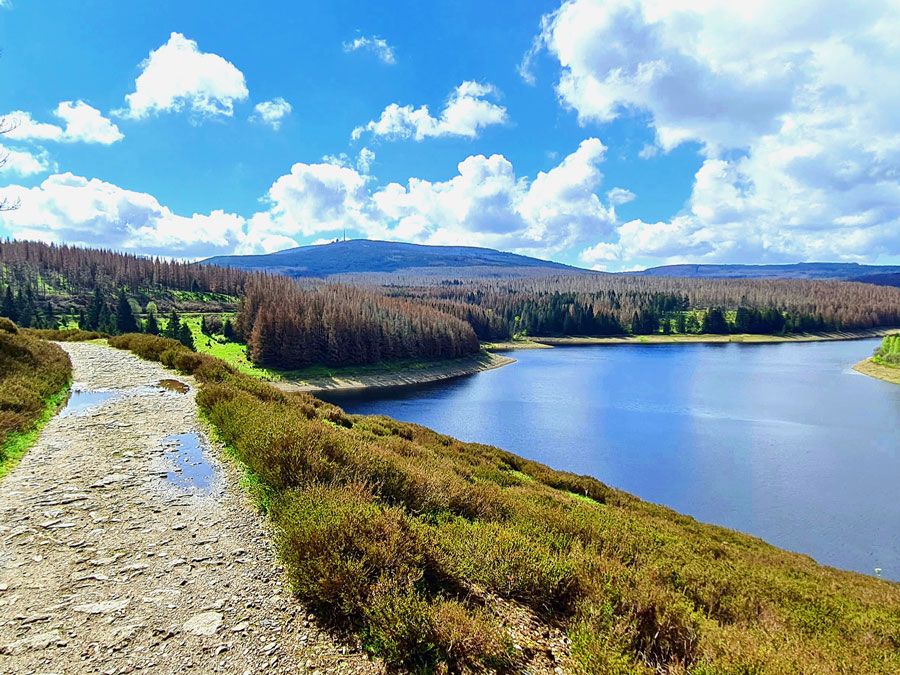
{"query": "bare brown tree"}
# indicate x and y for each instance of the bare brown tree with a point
(5, 127)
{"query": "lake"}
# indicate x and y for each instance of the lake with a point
(782, 441)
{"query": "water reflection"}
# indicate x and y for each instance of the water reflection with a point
(191, 471)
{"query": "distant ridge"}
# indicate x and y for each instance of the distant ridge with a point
(880, 274)
(375, 257)
(365, 256)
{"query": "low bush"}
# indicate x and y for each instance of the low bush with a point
(64, 335)
(340, 546)
(417, 540)
(32, 372)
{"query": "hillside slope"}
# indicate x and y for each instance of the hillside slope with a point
(823, 270)
(370, 256)
(448, 556)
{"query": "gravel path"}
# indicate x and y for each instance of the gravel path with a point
(113, 561)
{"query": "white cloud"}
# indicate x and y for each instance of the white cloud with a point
(83, 123)
(467, 111)
(271, 112)
(70, 209)
(790, 103)
(484, 203)
(619, 195)
(312, 199)
(87, 124)
(178, 76)
(364, 160)
(22, 162)
(376, 45)
(23, 128)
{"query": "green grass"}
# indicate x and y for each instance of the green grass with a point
(418, 542)
(18, 443)
(196, 296)
(232, 353)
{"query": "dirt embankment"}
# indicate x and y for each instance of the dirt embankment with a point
(121, 552)
(742, 338)
(878, 370)
(434, 373)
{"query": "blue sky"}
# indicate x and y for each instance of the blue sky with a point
(612, 134)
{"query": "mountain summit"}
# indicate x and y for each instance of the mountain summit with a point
(358, 256)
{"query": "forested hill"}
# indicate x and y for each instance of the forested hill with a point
(370, 256)
(876, 274)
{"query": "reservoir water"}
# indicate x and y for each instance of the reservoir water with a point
(782, 441)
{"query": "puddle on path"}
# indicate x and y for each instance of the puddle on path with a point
(83, 399)
(174, 385)
(191, 470)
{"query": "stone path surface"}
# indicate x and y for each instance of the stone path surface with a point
(119, 554)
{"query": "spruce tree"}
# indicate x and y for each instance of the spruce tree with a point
(714, 322)
(52, 321)
(26, 309)
(151, 326)
(94, 311)
(173, 328)
(125, 321)
(185, 336)
(228, 330)
(9, 309)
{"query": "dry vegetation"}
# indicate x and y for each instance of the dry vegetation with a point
(407, 535)
(33, 374)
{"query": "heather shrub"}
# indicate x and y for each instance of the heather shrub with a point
(31, 372)
(339, 545)
(470, 637)
(409, 536)
(65, 335)
(508, 562)
(398, 624)
(150, 347)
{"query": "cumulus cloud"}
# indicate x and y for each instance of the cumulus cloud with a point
(271, 112)
(376, 45)
(484, 203)
(790, 104)
(22, 162)
(365, 159)
(83, 123)
(466, 112)
(619, 195)
(90, 212)
(178, 76)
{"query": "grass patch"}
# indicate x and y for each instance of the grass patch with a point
(414, 539)
(18, 443)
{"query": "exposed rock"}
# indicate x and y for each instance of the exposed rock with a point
(205, 623)
(102, 607)
(32, 642)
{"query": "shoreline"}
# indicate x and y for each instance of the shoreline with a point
(880, 372)
(432, 373)
(743, 338)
